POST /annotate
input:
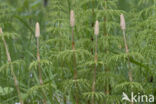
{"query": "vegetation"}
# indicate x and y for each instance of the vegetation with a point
(76, 51)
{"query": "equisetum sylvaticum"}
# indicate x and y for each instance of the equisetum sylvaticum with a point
(12, 68)
(96, 32)
(72, 24)
(37, 34)
(123, 28)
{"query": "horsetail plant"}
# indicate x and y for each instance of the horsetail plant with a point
(96, 32)
(37, 34)
(11, 67)
(123, 28)
(72, 24)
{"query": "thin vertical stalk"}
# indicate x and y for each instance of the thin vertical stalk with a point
(74, 64)
(38, 60)
(94, 73)
(72, 23)
(95, 59)
(123, 28)
(127, 51)
(74, 57)
(12, 69)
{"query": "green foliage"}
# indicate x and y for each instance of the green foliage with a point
(5, 91)
(18, 18)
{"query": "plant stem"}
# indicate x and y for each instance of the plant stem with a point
(127, 51)
(74, 64)
(12, 71)
(40, 71)
(94, 72)
(74, 57)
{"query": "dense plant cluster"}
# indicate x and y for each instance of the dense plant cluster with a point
(76, 51)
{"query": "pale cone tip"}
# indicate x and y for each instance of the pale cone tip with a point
(96, 28)
(72, 18)
(37, 32)
(122, 22)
